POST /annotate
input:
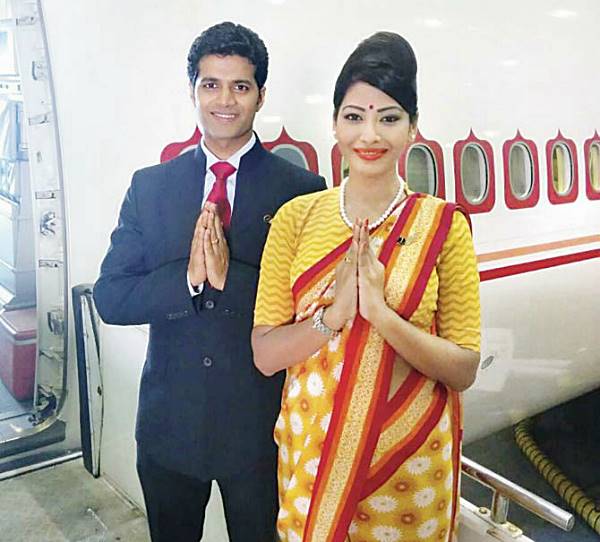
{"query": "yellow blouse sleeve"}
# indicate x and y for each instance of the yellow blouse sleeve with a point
(274, 301)
(458, 313)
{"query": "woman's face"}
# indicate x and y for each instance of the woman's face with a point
(372, 130)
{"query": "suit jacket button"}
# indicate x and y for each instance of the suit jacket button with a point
(207, 362)
(210, 304)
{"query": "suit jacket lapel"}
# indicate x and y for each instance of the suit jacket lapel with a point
(188, 200)
(200, 171)
(247, 189)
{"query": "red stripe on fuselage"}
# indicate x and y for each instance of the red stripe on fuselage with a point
(527, 267)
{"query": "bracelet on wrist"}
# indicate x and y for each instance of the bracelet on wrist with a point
(319, 325)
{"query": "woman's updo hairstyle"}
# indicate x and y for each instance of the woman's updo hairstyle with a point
(385, 61)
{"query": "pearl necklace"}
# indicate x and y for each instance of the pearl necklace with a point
(397, 198)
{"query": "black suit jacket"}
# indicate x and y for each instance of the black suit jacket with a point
(204, 409)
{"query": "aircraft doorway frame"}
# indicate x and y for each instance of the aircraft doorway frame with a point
(42, 427)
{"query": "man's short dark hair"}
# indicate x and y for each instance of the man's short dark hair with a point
(229, 39)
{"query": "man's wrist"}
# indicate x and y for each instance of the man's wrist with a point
(194, 289)
(218, 285)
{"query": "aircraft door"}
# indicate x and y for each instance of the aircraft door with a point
(36, 317)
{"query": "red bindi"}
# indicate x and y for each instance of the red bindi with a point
(370, 106)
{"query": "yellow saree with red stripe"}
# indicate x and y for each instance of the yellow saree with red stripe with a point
(354, 415)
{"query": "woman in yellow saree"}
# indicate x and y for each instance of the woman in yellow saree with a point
(369, 298)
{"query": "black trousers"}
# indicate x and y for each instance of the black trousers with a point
(176, 503)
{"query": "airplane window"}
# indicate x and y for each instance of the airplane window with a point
(521, 171)
(562, 169)
(421, 173)
(474, 174)
(595, 167)
(291, 154)
(339, 166)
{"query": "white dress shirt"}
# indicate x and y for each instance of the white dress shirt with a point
(209, 181)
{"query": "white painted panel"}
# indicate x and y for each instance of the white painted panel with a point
(123, 350)
(542, 329)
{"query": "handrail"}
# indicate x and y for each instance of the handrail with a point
(505, 490)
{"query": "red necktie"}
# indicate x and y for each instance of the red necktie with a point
(218, 194)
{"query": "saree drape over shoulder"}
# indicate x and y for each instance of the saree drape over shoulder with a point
(369, 448)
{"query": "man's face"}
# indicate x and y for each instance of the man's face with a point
(226, 97)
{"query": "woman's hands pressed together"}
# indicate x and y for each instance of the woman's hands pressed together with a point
(362, 273)
(359, 282)
(371, 278)
(345, 305)
(280, 347)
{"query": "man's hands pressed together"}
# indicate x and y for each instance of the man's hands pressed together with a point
(209, 254)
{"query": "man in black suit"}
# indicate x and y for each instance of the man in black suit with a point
(185, 258)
